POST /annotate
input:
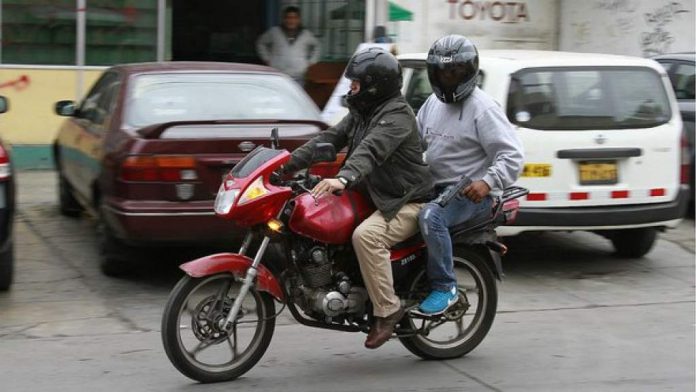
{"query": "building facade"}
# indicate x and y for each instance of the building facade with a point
(55, 49)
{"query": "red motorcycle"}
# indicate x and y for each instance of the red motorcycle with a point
(220, 316)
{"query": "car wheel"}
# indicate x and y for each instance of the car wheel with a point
(69, 206)
(7, 266)
(116, 256)
(634, 243)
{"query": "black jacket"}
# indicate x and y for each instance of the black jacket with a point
(385, 153)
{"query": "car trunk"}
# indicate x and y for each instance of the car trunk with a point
(186, 161)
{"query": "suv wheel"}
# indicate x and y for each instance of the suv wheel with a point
(633, 243)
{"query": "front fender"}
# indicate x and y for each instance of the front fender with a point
(237, 265)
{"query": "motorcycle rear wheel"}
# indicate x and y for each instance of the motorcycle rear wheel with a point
(478, 301)
(192, 319)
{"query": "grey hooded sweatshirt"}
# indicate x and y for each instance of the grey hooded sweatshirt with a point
(471, 137)
(291, 56)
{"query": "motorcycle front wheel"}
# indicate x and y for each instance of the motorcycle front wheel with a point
(464, 325)
(192, 332)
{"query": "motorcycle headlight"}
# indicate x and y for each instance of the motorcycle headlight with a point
(254, 191)
(225, 199)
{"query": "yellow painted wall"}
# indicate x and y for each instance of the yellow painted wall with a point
(32, 94)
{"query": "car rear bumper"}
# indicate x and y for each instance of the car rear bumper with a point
(176, 223)
(599, 218)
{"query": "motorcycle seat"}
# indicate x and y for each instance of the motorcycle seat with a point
(410, 242)
(471, 225)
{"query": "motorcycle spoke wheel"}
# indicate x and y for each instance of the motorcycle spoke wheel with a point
(464, 325)
(193, 333)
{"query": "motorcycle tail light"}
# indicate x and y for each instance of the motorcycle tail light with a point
(254, 191)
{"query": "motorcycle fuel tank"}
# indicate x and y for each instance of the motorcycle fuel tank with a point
(331, 219)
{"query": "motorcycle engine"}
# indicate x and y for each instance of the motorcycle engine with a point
(322, 292)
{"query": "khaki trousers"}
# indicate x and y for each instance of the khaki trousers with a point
(372, 241)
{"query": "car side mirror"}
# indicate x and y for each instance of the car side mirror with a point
(4, 104)
(324, 152)
(66, 108)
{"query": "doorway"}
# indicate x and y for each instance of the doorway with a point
(219, 30)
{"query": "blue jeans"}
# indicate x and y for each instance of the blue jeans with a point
(434, 221)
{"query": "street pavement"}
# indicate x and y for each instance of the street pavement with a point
(571, 318)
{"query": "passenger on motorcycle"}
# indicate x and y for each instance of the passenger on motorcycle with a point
(467, 133)
(385, 155)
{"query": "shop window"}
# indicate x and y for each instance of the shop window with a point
(338, 24)
(38, 32)
(121, 31)
(44, 31)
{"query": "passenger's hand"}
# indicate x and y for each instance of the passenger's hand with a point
(327, 185)
(476, 191)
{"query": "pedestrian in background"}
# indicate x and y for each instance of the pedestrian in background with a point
(290, 48)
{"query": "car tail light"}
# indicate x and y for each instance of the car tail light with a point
(684, 169)
(160, 168)
(5, 170)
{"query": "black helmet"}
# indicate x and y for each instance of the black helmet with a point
(379, 74)
(453, 65)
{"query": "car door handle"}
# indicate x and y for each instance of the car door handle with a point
(599, 153)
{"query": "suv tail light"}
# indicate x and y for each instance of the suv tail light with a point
(5, 171)
(685, 152)
(159, 168)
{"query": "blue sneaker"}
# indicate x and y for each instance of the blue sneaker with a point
(438, 301)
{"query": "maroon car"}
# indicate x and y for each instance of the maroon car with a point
(146, 149)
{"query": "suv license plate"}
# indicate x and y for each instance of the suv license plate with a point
(536, 170)
(598, 173)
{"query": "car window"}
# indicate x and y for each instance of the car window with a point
(99, 102)
(682, 77)
(587, 98)
(163, 98)
(419, 88)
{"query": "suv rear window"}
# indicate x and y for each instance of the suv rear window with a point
(587, 98)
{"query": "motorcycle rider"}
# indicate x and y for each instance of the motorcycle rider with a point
(467, 133)
(385, 154)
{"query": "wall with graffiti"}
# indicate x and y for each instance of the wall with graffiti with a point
(32, 93)
(632, 27)
(527, 24)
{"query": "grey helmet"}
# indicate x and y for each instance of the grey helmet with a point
(453, 66)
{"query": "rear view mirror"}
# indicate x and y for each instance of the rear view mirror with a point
(66, 108)
(324, 152)
(4, 104)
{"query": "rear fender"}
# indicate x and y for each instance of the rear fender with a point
(237, 265)
(494, 260)
(486, 244)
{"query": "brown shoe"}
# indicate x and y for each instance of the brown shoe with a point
(382, 329)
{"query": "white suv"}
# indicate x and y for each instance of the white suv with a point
(601, 135)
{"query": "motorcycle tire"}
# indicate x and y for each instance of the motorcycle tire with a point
(475, 264)
(186, 362)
